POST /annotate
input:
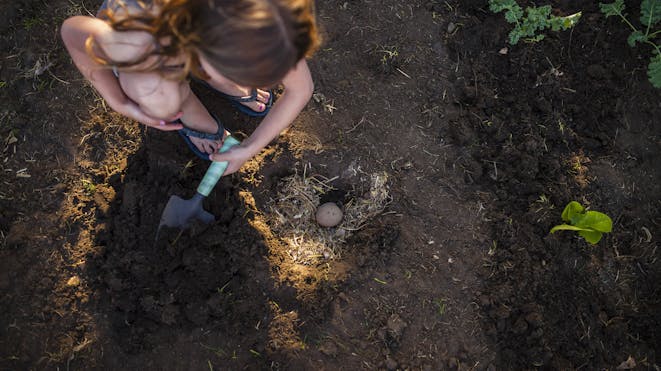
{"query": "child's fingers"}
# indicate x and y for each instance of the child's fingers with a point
(218, 157)
(177, 116)
(167, 126)
(208, 147)
(138, 114)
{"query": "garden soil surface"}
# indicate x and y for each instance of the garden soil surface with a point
(483, 144)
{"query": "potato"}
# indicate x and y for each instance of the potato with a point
(329, 215)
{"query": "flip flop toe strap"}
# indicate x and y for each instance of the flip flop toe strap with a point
(197, 134)
(236, 98)
(248, 98)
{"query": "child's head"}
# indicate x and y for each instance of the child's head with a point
(251, 42)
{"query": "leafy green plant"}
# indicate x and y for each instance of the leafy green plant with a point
(590, 225)
(535, 20)
(650, 17)
(89, 187)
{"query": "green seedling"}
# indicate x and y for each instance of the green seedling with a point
(590, 225)
(217, 351)
(89, 187)
(650, 18)
(440, 306)
(29, 23)
(536, 19)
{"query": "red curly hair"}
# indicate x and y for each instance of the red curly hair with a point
(251, 42)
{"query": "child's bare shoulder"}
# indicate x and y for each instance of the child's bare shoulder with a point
(124, 46)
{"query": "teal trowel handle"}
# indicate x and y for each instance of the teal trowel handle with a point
(216, 169)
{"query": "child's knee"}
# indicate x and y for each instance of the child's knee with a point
(162, 107)
(156, 96)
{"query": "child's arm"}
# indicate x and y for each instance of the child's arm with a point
(298, 90)
(116, 45)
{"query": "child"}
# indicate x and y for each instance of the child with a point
(139, 55)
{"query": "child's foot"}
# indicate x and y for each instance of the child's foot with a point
(258, 103)
(207, 146)
(202, 142)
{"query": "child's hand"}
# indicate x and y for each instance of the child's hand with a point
(133, 111)
(236, 157)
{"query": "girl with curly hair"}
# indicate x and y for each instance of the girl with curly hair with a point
(141, 55)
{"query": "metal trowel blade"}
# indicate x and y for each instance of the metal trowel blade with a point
(179, 212)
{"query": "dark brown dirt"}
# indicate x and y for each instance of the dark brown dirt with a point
(482, 149)
(533, 114)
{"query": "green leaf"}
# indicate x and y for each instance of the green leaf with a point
(591, 236)
(593, 220)
(535, 39)
(614, 8)
(571, 20)
(515, 36)
(636, 36)
(513, 15)
(498, 6)
(536, 19)
(570, 210)
(566, 227)
(589, 224)
(650, 12)
(538, 15)
(513, 10)
(564, 23)
(654, 71)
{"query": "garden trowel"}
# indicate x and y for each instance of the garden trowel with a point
(179, 212)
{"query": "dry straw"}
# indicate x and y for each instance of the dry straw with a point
(292, 215)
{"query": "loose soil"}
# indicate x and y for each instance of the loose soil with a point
(483, 147)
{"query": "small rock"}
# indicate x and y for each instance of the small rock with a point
(453, 363)
(328, 348)
(520, 326)
(503, 51)
(73, 281)
(396, 325)
(169, 314)
(534, 319)
(452, 27)
(537, 334)
(502, 312)
(439, 49)
(543, 105)
(344, 83)
(391, 364)
(629, 364)
(198, 313)
(596, 71)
